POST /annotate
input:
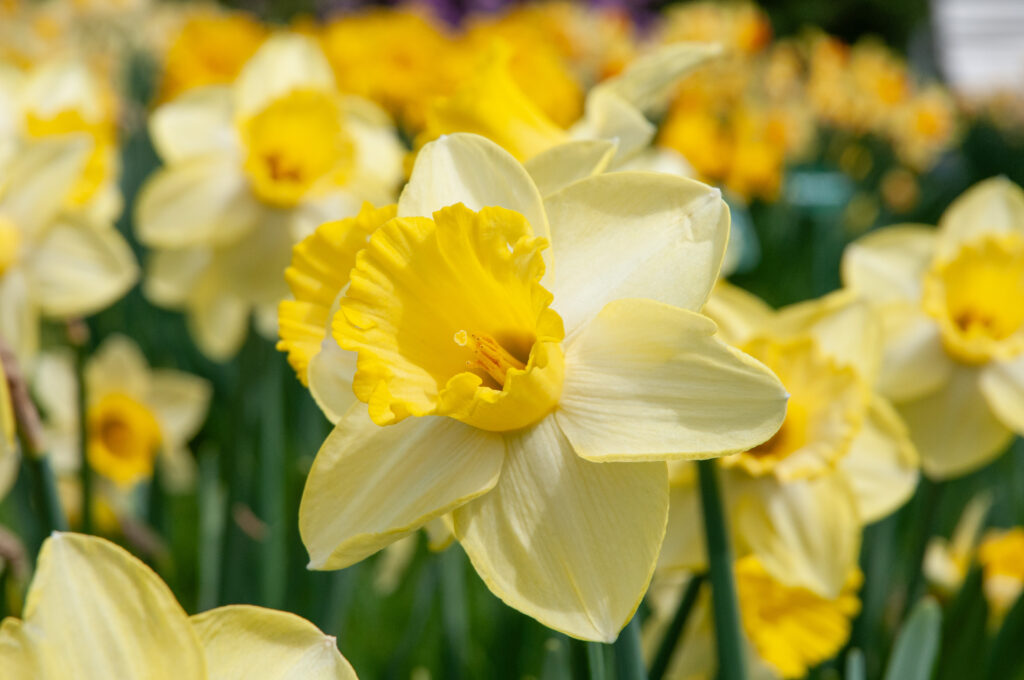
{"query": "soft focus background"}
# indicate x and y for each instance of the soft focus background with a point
(811, 154)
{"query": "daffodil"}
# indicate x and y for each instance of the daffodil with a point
(53, 263)
(534, 396)
(492, 104)
(952, 304)
(249, 170)
(788, 629)
(58, 99)
(1001, 556)
(841, 459)
(946, 562)
(96, 612)
(136, 417)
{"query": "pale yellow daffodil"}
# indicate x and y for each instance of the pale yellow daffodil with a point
(787, 629)
(52, 263)
(534, 396)
(249, 169)
(952, 304)
(841, 459)
(96, 612)
(137, 417)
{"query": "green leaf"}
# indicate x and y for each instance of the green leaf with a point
(1007, 657)
(855, 665)
(917, 644)
(964, 630)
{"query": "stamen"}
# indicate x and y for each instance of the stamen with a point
(489, 356)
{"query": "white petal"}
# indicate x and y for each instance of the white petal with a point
(889, 264)
(561, 165)
(994, 206)
(196, 123)
(1002, 383)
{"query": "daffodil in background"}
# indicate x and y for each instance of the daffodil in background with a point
(536, 398)
(137, 418)
(788, 629)
(135, 628)
(250, 169)
(841, 459)
(952, 305)
(8, 440)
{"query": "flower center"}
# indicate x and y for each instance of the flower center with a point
(100, 163)
(294, 144)
(978, 299)
(449, 318)
(826, 407)
(124, 437)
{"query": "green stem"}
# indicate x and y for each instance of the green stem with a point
(923, 528)
(273, 476)
(212, 512)
(629, 653)
(731, 661)
(44, 484)
(597, 661)
(84, 470)
(453, 612)
(675, 629)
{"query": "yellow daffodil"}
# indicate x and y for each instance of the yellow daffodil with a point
(788, 629)
(522, 391)
(137, 417)
(841, 459)
(952, 304)
(249, 170)
(53, 263)
(210, 48)
(739, 26)
(491, 103)
(1001, 556)
(58, 99)
(96, 612)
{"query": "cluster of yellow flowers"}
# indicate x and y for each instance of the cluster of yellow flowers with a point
(517, 322)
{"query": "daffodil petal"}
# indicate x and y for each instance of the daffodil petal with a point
(19, 315)
(171, 275)
(62, 85)
(17, 651)
(474, 171)
(954, 428)
(284, 63)
(219, 323)
(77, 270)
(634, 234)
(196, 123)
(331, 371)
(562, 165)
(39, 177)
(889, 264)
(738, 314)
(684, 547)
(8, 445)
(178, 469)
(882, 464)
(806, 532)
(914, 362)
(1002, 383)
(646, 381)
(609, 116)
(371, 485)
(96, 612)
(200, 201)
(568, 542)
(994, 206)
(117, 366)
(180, 402)
(241, 641)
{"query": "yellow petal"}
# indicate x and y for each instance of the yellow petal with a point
(200, 201)
(95, 612)
(8, 445)
(684, 546)
(371, 485)
(954, 428)
(17, 653)
(196, 123)
(284, 63)
(61, 85)
(994, 206)
(889, 264)
(645, 381)
(19, 315)
(331, 372)
(805, 533)
(469, 169)
(180, 402)
(635, 234)
(882, 464)
(171, 275)
(568, 542)
(609, 116)
(77, 270)
(915, 362)
(219, 323)
(117, 366)
(242, 641)
(40, 177)
(738, 314)
(1002, 383)
(560, 166)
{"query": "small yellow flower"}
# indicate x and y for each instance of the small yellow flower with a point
(1001, 556)
(946, 562)
(137, 629)
(249, 170)
(532, 402)
(840, 460)
(951, 302)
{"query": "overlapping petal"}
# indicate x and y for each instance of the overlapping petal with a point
(995, 206)
(890, 264)
(1002, 383)
(197, 123)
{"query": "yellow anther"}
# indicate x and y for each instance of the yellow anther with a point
(488, 355)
